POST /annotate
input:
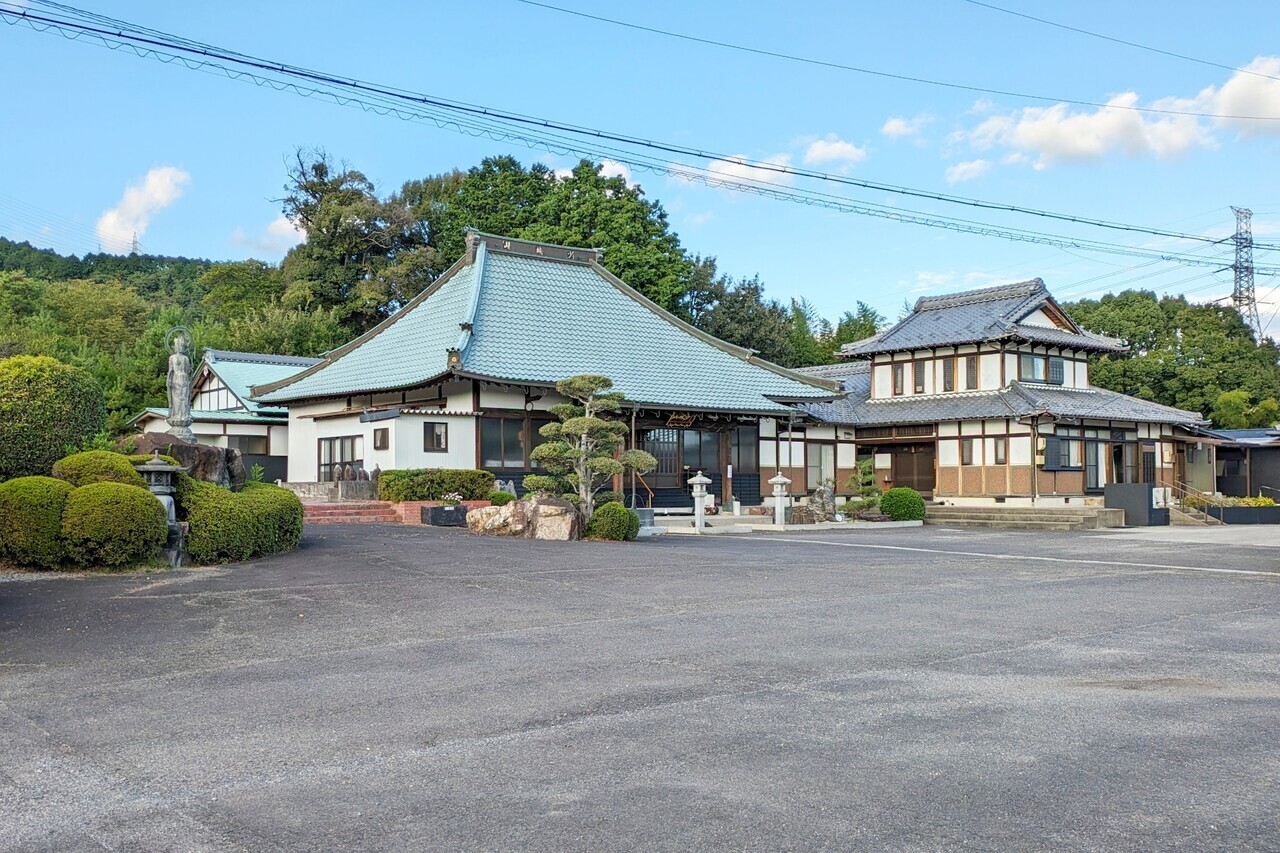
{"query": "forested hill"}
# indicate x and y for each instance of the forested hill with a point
(366, 253)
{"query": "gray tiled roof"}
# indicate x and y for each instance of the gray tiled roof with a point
(536, 313)
(1018, 400)
(993, 313)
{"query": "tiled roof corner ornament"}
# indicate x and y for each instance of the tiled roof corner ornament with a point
(454, 359)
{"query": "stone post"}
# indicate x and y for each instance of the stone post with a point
(699, 482)
(779, 484)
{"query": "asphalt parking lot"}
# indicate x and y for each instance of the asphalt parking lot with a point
(407, 688)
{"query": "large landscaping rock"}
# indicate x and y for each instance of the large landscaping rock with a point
(535, 518)
(217, 465)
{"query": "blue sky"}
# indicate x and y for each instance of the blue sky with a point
(205, 155)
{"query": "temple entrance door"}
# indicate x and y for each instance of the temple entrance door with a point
(664, 444)
(913, 467)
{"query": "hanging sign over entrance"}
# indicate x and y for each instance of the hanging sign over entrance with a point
(681, 419)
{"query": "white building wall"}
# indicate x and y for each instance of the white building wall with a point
(882, 381)
(407, 442)
(948, 451)
(1019, 450)
(989, 371)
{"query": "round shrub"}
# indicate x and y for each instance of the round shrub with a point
(277, 514)
(97, 466)
(45, 406)
(501, 498)
(113, 524)
(613, 521)
(31, 521)
(221, 528)
(228, 527)
(902, 504)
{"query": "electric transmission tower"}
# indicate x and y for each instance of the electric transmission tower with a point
(1243, 296)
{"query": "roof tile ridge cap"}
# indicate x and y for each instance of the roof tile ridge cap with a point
(466, 326)
(336, 354)
(979, 295)
(742, 353)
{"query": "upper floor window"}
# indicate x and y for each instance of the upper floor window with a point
(899, 379)
(1039, 368)
(917, 376)
(971, 373)
(948, 374)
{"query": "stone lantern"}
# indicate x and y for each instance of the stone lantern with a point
(159, 476)
(699, 482)
(779, 484)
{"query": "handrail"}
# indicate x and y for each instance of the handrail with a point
(1181, 491)
(640, 477)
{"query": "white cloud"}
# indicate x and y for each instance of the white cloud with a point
(699, 219)
(898, 127)
(1058, 134)
(131, 216)
(967, 171)
(1247, 94)
(278, 237)
(832, 149)
(612, 168)
(737, 170)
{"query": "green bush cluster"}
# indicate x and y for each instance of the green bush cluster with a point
(113, 524)
(432, 484)
(31, 521)
(45, 406)
(902, 504)
(227, 527)
(613, 521)
(97, 466)
(1200, 502)
(501, 498)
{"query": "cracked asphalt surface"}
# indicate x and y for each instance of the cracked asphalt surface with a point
(395, 688)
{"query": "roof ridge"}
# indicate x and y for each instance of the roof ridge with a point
(241, 357)
(982, 294)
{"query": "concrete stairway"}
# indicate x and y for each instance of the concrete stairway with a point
(350, 512)
(1024, 518)
(1185, 516)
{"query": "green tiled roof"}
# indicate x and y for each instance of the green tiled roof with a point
(534, 313)
(268, 416)
(240, 371)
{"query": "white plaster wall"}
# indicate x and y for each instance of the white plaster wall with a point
(1016, 428)
(882, 381)
(948, 428)
(989, 371)
(1081, 374)
(1020, 450)
(822, 433)
(996, 426)
(1011, 365)
(768, 427)
(948, 452)
(971, 427)
(846, 455)
(791, 453)
(302, 445)
(278, 440)
(768, 455)
(1038, 318)
(408, 436)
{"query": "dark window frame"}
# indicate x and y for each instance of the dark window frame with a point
(428, 432)
(336, 441)
(1034, 359)
(918, 371)
(899, 378)
(971, 373)
(1000, 450)
(949, 373)
(966, 451)
(382, 438)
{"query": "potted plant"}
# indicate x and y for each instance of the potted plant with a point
(450, 512)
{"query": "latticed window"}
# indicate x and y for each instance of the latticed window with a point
(971, 373)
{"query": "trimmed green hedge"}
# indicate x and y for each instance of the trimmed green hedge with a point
(31, 521)
(432, 484)
(613, 521)
(97, 466)
(501, 498)
(229, 527)
(45, 406)
(902, 504)
(113, 524)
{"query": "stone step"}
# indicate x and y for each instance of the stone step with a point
(338, 519)
(1005, 524)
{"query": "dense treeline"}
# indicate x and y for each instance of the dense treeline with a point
(366, 254)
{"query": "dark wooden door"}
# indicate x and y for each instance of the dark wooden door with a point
(913, 467)
(664, 444)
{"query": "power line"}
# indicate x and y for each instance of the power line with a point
(885, 74)
(480, 120)
(1133, 44)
